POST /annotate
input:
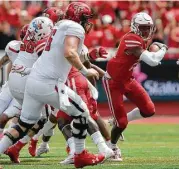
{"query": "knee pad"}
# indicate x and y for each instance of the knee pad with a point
(40, 124)
(149, 111)
(79, 127)
(25, 125)
(19, 130)
(62, 123)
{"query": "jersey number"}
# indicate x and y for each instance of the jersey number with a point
(47, 48)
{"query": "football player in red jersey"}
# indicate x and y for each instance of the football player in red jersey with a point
(118, 80)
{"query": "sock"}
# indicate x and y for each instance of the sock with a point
(134, 115)
(113, 146)
(25, 139)
(1, 131)
(79, 145)
(108, 143)
(71, 144)
(44, 143)
(47, 127)
(5, 143)
(99, 141)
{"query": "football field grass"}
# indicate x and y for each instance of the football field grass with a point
(147, 146)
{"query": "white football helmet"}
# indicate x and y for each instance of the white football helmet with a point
(142, 25)
(39, 28)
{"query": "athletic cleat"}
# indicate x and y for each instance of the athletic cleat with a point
(68, 160)
(32, 147)
(87, 159)
(121, 138)
(108, 153)
(44, 148)
(117, 155)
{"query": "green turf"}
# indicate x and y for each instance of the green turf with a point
(145, 147)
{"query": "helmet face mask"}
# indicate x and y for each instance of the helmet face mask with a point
(142, 25)
(145, 31)
(85, 22)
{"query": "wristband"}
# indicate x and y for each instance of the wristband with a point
(84, 71)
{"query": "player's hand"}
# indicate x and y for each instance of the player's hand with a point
(177, 62)
(93, 73)
(98, 53)
(21, 70)
(160, 45)
(18, 69)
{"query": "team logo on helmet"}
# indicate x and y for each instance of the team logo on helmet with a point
(37, 25)
(78, 9)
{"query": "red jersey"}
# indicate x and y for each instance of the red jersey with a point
(120, 67)
(73, 73)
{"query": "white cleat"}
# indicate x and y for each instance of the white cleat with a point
(68, 160)
(108, 153)
(44, 148)
(117, 155)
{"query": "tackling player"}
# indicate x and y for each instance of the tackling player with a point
(118, 80)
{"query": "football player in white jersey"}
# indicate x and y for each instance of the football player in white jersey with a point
(46, 83)
(9, 107)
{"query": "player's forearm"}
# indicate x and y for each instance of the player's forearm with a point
(98, 69)
(153, 58)
(4, 60)
(73, 58)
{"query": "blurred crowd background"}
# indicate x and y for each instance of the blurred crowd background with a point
(111, 20)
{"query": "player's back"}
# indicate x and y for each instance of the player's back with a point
(120, 67)
(12, 49)
(27, 55)
(52, 64)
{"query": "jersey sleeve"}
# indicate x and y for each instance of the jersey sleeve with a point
(131, 41)
(40, 46)
(75, 29)
(12, 49)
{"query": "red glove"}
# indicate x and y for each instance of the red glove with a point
(98, 53)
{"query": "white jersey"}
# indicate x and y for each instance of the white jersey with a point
(12, 49)
(52, 64)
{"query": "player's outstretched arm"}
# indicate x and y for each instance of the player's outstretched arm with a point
(70, 52)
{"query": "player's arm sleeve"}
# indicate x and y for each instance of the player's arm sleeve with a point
(153, 58)
(133, 45)
(75, 30)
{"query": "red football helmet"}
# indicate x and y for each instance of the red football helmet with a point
(80, 13)
(23, 31)
(54, 13)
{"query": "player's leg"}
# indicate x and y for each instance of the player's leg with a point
(12, 110)
(140, 97)
(26, 122)
(5, 100)
(114, 92)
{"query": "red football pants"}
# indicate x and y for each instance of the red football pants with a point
(80, 86)
(134, 92)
